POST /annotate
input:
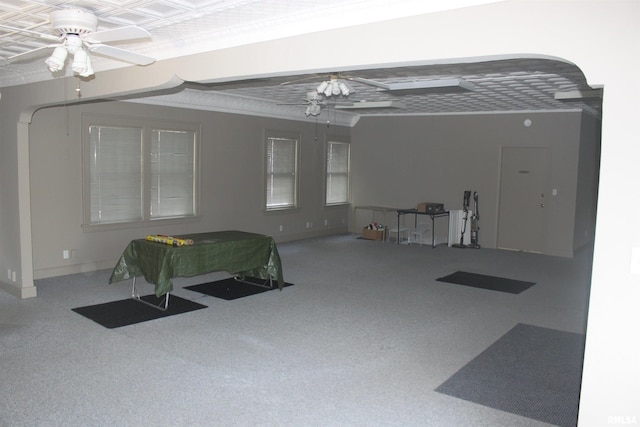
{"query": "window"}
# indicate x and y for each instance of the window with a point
(172, 173)
(337, 173)
(281, 173)
(115, 174)
(139, 171)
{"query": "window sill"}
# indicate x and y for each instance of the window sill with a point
(90, 228)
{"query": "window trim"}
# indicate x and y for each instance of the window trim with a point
(147, 127)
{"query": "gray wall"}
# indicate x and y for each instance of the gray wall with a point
(231, 181)
(396, 162)
(400, 162)
(8, 195)
(588, 180)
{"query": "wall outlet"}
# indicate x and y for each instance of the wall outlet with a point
(326, 222)
(8, 274)
(13, 276)
(309, 224)
(66, 254)
(281, 227)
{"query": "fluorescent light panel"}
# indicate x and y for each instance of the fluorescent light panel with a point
(572, 95)
(371, 104)
(435, 85)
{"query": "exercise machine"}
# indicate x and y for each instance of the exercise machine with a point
(465, 207)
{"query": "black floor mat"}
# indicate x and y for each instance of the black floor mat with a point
(125, 312)
(530, 371)
(230, 289)
(482, 281)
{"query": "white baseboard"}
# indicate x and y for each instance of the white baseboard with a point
(19, 291)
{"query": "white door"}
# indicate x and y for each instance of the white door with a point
(521, 214)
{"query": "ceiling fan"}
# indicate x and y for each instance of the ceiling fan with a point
(337, 87)
(75, 33)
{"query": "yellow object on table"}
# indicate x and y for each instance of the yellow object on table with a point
(169, 240)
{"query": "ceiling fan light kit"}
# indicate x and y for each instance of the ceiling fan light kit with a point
(81, 62)
(334, 87)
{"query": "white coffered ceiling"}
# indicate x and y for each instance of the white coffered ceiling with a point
(182, 27)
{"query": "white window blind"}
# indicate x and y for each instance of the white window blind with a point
(172, 173)
(337, 173)
(115, 174)
(281, 173)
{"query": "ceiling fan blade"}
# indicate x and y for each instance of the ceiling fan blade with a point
(129, 32)
(300, 80)
(26, 56)
(33, 33)
(121, 54)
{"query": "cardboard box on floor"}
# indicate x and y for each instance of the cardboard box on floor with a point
(372, 234)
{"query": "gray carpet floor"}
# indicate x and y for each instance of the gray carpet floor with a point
(364, 338)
